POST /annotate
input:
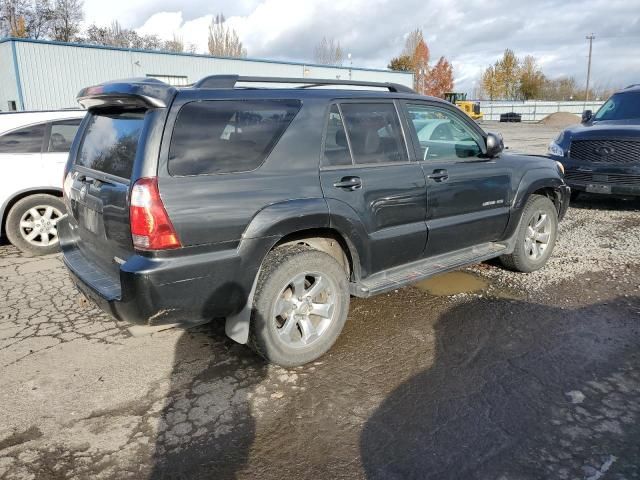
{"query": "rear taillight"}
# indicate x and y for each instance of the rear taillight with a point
(151, 228)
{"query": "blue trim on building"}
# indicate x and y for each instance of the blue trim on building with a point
(16, 70)
(199, 55)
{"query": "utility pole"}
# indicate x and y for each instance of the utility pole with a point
(586, 93)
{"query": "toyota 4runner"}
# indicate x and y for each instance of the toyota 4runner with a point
(270, 207)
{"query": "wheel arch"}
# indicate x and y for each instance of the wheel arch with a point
(539, 181)
(326, 239)
(6, 207)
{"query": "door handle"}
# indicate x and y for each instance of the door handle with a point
(349, 183)
(439, 175)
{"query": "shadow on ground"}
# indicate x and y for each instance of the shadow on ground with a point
(517, 391)
(207, 427)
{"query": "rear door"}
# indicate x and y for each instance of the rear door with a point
(20, 157)
(100, 176)
(468, 195)
(366, 165)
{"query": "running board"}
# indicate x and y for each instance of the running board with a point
(404, 275)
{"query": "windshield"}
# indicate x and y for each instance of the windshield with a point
(110, 142)
(621, 106)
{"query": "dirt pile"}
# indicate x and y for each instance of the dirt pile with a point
(560, 119)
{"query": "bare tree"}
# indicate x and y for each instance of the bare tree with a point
(175, 45)
(329, 52)
(223, 40)
(39, 19)
(13, 18)
(67, 15)
(117, 36)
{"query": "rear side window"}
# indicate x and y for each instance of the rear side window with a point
(110, 142)
(62, 135)
(336, 148)
(24, 140)
(374, 132)
(227, 136)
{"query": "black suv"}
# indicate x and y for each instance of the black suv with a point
(270, 207)
(603, 154)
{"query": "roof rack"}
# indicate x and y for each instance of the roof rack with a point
(632, 86)
(229, 81)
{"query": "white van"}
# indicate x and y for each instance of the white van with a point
(33, 151)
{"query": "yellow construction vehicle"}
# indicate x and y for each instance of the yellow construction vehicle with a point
(469, 107)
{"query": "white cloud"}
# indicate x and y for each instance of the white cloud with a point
(471, 33)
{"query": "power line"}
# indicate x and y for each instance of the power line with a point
(590, 38)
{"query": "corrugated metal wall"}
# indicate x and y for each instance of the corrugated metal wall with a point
(8, 84)
(534, 111)
(52, 74)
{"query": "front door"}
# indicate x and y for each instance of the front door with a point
(467, 193)
(367, 167)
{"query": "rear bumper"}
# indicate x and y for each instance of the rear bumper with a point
(186, 289)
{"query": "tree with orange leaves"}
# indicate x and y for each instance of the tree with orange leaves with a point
(440, 80)
(415, 57)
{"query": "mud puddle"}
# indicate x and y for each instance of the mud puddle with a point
(459, 282)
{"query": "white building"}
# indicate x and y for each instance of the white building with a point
(42, 75)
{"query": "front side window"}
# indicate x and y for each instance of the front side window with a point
(110, 142)
(227, 136)
(374, 133)
(621, 106)
(442, 135)
(62, 135)
(336, 148)
(24, 140)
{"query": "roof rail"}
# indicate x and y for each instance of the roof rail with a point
(632, 86)
(229, 81)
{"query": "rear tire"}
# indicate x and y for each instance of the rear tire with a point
(300, 306)
(536, 236)
(31, 224)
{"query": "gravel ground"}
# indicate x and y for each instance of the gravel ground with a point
(527, 377)
(524, 138)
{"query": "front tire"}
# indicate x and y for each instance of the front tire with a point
(536, 236)
(32, 224)
(300, 305)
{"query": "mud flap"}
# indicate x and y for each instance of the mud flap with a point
(237, 326)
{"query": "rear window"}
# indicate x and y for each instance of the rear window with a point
(110, 142)
(25, 140)
(227, 136)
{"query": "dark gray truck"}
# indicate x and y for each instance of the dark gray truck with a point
(270, 207)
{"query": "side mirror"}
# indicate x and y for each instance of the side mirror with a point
(495, 144)
(587, 115)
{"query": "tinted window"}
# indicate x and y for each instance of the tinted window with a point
(622, 106)
(227, 136)
(336, 149)
(25, 140)
(442, 135)
(62, 135)
(374, 132)
(110, 142)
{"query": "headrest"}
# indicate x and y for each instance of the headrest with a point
(341, 138)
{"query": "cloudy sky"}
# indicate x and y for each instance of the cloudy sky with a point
(471, 33)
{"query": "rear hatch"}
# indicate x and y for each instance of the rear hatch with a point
(98, 183)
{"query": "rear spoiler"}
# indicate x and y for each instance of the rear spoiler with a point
(135, 92)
